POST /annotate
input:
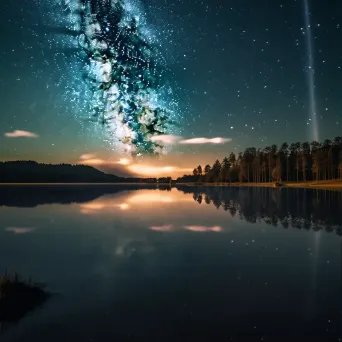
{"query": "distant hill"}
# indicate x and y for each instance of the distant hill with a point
(33, 172)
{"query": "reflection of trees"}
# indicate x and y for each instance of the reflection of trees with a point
(296, 208)
(164, 188)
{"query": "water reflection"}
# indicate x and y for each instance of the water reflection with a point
(32, 196)
(142, 199)
(296, 208)
(164, 228)
(19, 230)
(171, 228)
(146, 264)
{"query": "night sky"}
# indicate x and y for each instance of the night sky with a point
(239, 70)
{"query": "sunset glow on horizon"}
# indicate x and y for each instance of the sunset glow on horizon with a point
(135, 168)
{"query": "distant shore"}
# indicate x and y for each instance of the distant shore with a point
(78, 184)
(323, 185)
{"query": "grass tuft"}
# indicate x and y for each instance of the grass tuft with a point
(19, 296)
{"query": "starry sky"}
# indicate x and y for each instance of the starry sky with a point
(240, 70)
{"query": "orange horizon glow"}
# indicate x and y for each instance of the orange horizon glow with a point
(124, 206)
(124, 161)
(136, 169)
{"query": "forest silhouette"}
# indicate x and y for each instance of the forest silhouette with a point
(297, 162)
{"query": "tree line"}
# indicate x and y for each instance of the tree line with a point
(297, 162)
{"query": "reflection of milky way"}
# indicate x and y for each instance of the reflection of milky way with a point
(124, 73)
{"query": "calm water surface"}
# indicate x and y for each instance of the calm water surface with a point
(192, 264)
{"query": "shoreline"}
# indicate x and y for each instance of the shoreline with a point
(320, 185)
(79, 184)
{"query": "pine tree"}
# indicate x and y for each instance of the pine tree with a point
(225, 169)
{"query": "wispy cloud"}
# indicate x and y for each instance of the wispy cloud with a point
(174, 139)
(21, 134)
(19, 230)
(87, 156)
(166, 139)
(200, 141)
(92, 159)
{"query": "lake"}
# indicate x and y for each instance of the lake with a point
(130, 263)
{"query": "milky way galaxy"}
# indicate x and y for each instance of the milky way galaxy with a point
(124, 72)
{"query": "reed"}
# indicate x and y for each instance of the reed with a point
(19, 296)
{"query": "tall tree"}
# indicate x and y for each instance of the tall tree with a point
(316, 159)
(284, 160)
(207, 169)
(215, 170)
(327, 158)
(225, 170)
(273, 161)
(305, 156)
(338, 155)
(267, 160)
(199, 170)
(232, 159)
